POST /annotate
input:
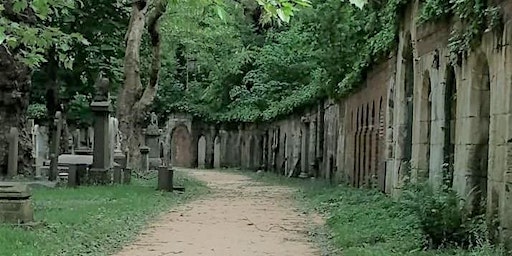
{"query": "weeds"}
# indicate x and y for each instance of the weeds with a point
(366, 222)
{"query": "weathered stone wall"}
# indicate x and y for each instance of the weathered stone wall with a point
(424, 114)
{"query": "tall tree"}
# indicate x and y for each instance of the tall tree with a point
(24, 39)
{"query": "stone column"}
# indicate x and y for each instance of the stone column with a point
(304, 165)
(210, 148)
(144, 159)
(152, 134)
(12, 163)
(100, 171)
(312, 149)
(55, 147)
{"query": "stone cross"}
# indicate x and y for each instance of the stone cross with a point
(54, 149)
(12, 163)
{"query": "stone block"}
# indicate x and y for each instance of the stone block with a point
(165, 178)
(15, 204)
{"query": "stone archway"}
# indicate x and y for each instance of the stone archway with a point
(201, 152)
(180, 147)
(425, 129)
(216, 152)
(479, 121)
(450, 125)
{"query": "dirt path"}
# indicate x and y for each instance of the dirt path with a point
(240, 218)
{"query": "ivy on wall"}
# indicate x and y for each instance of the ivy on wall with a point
(250, 73)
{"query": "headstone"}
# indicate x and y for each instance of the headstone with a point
(12, 162)
(101, 166)
(54, 149)
(165, 178)
(117, 174)
(72, 176)
(15, 204)
(152, 134)
(144, 161)
(127, 175)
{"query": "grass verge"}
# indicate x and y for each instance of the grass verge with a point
(364, 222)
(95, 220)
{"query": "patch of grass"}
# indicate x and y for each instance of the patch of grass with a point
(365, 222)
(96, 220)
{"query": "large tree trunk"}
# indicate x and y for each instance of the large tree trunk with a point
(134, 99)
(14, 97)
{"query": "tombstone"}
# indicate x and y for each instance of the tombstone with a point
(144, 159)
(55, 147)
(101, 166)
(72, 176)
(12, 162)
(15, 204)
(117, 174)
(165, 178)
(201, 152)
(152, 134)
(216, 152)
(127, 175)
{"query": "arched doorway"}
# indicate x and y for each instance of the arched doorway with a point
(450, 124)
(180, 147)
(481, 111)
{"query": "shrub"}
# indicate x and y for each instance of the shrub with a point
(37, 111)
(443, 217)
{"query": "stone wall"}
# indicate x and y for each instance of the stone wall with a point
(423, 114)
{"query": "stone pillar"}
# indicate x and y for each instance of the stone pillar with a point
(152, 134)
(312, 148)
(12, 163)
(117, 174)
(100, 171)
(210, 148)
(127, 175)
(55, 147)
(144, 158)
(304, 165)
(72, 176)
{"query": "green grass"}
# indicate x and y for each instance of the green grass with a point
(95, 220)
(363, 222)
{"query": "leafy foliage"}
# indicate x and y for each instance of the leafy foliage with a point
(24, 30)
(36, 111)
(367, 222)
(443, 218)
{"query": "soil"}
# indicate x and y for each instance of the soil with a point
(240, 217)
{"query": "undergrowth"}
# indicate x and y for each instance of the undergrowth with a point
(95, 220)
(366, 222)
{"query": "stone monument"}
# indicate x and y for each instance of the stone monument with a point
(55, 147)
(101, 166)
(15, 204)
(12, 162)
(152, 135)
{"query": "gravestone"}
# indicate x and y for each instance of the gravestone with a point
(201, 152)
(12, 162)
(165, 178)
(15, 204)
(55, 147)
(101, 166)
(144, 159)
(152, 134)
